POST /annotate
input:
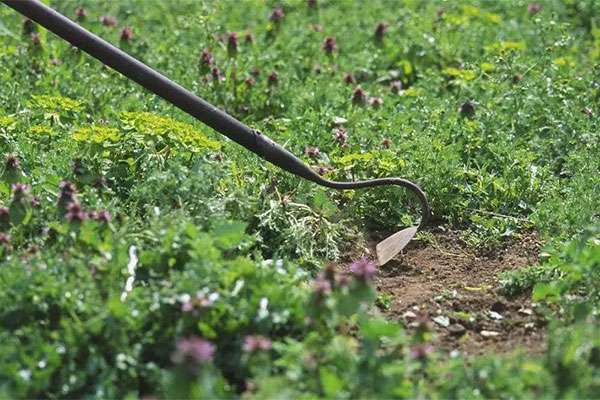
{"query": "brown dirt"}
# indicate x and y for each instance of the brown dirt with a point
(442, 277)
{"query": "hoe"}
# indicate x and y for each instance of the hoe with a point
(220, 121)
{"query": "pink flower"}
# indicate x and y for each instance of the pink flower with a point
(80, 13)
(108, 20)
(194, 350)
(359, 96)
(126, 34)
(232, 44)
(250, 81)
(376, 101)
(322, 170)
(272, 79)
(380, 30)
(206, 58)
(363, 269)
(321, 286)
(35, 39)
(75, 213)
(11, 162)
(277, 15)
(312, 152)
(329, 45)
(254, 343)
(19, 190)
(420, 351)
(104, 216)
(396, 86)
(534, 8)
(4, 239)
(340, 135)
(348, 79)
(216, 74)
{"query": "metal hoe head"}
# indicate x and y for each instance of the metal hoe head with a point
(220, 121)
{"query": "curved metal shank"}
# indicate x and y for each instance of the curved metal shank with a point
(160, 85)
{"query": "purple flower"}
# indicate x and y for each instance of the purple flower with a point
(396, 86)
(216, 74)
(277, 15)
(80, 13)
(420, 351)
(206, 58)
(272, 79)
(359, 96)
(194, 350)
(4, 218)
(19, 190)
(363, 269)
(5, 239)
(67, 187)
(312, 152)
(340, 135)
(108, 20)
(75, 213)
(322, 170)
(126, 34)
(329, 45)
(232, 44)
(35, 202)
(103, 216)
(250, 81)
(534, 8)
(349, 79)
(35, 39)
(11, 162)
(321, 285)
(254, 343)
(376, 101)
(380, 30)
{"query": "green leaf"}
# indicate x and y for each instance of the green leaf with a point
(228, 235)
(330, 382)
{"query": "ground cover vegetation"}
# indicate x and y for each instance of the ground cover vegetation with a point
(143, 255)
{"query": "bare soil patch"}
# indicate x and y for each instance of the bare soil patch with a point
(456, 291)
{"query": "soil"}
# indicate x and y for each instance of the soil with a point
(443, 282)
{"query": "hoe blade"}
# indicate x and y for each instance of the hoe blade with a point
(390, 247)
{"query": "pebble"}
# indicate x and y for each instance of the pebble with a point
(456, 329)
(489, 334)
(409, 315)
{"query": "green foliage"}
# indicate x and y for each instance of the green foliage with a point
(173, 233)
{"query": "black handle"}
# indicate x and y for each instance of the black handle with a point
(200, 109)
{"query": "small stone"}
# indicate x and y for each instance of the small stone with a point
(489, 334)
(456, 329)
(530, 326)
(525, 311)
(495, 315)
(442, 321)
(409, 315)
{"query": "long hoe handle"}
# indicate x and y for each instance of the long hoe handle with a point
(200, 109)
